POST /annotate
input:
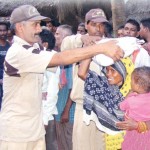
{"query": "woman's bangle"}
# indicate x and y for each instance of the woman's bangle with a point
(142, 127)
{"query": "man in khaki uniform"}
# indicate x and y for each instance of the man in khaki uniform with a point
(85, 137)
(21, 126)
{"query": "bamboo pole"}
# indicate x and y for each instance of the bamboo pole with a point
(118, 14)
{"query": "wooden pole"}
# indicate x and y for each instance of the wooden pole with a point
(118, 14)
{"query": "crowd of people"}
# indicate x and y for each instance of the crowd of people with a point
(56, 91)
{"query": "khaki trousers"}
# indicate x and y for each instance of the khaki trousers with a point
(86, 137)
(36, 145)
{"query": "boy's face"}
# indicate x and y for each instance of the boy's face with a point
(143, 31)
(3, 32)
(130, 30)
(120, 33)
(81, 30)
(50, 26)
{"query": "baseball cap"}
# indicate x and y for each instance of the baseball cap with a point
(26, 12)
(96, 15)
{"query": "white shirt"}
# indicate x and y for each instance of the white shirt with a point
(50, 86)
(142, 58)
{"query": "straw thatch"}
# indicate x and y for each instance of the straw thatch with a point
(62, 9)
(73, 11)
(6, 6)
(65, 11)
(138, 9)
(56, 8)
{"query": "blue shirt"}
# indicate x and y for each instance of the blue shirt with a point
(3, 51)
(63, 96)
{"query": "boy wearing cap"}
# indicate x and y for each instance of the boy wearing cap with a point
(21, 126)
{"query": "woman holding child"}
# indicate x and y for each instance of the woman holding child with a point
(111, 87)
(117, 77)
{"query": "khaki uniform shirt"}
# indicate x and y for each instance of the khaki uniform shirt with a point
(21, 114)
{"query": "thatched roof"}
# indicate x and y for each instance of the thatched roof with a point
(138, 9)
(6, 6)
(65, 11)
(62, 9)
(55, 7)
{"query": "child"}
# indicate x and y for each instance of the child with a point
(137, 107)
(137, 103)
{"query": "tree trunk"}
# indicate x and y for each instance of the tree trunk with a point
(118, 13)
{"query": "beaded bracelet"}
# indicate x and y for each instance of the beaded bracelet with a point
(142, 127)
